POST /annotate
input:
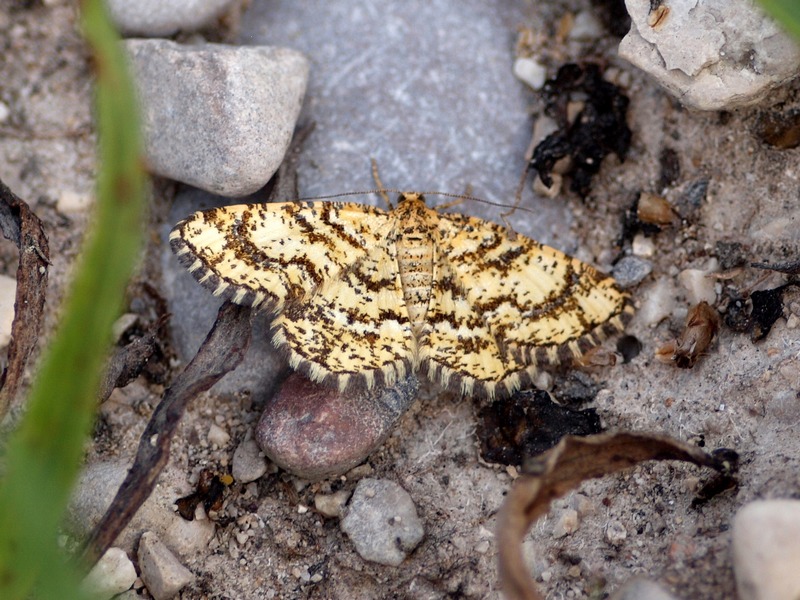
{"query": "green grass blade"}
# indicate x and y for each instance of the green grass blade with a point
(786, 12)
(44, 454)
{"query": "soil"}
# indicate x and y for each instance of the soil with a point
(741, 395)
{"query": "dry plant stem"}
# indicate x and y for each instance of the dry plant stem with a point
(128, 361)
(25, 229)
(560, 470)
(220, 353)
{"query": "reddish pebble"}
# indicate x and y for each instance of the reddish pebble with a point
(315, 432)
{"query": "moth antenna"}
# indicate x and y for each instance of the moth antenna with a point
(376, 176)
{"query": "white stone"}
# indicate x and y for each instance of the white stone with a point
(5, 112)
(766, 550)
(639, 588)
(162, 572)
(531, 72)
(330, 505)
(70, 201)
(643, 246)
(8, 292)
(217, 117)
(122, 324)
(711, 54)
(248, 462)
(218, 436)
(160, 18)
(586, 27)
(567, 523)
(698, 285)
(382, 522)
(113, 574)
(658, 304)
(615, 533)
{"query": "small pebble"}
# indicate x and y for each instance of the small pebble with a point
(766, 550)
(330, 505)
(567, 523)
(162, 18)
(219, 437)
(315, 432)
(540, 189)
(70, 202)
(643, 246)
(639, 588)
(658, 304)
(122, 324)
(631, 270)
(382, 522)
(162, 573)
(248, 462)
(217, 117)
(586, 27)
(113, 574)
(5, 112)
(615, 533)
(8, 293)
(699, 287)
(531, 72)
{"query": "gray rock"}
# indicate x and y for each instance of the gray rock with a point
(382, 522)
(164, 17)
(711, 54)
(162, 573)
(766, 550)
(248, 462)
(316, 432)
(639, 588)
(99, 484)
(217, 117)
(631, 270)
(113, 574)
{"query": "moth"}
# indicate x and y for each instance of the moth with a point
(361, 297)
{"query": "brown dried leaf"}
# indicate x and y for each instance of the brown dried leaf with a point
(562, 469)
(702, 324)
(21, 226)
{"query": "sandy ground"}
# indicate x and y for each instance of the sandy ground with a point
(742, 395)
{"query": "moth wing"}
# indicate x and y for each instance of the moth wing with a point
(267, 255)
(354, 331)
(511, 304)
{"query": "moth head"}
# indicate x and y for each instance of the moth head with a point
(410, 197)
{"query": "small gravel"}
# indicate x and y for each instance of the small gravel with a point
(382, 522)
(162, 572)
(249, 463)
(631, 270)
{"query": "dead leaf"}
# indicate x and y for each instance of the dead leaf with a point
(24, 228)
(562, 469)
(702, 324)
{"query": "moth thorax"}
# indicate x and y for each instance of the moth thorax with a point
(415, 262)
